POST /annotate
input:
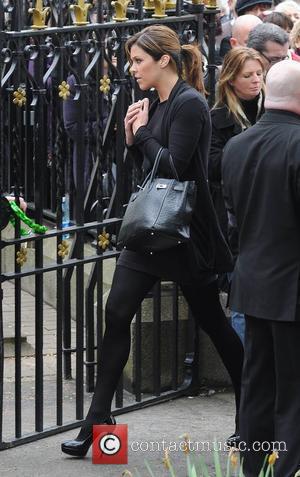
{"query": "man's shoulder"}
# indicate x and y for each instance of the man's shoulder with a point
(241, 139)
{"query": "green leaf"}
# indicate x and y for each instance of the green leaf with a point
(228, 466)
(190, 468)
(262, 472)
(203, 467)
(241, 472)
(149, 469)
(217, 464)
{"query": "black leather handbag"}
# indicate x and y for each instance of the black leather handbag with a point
(158, 215)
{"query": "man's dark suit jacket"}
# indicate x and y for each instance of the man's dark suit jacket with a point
(261, 181)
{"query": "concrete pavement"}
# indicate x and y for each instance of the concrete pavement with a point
(204, 418)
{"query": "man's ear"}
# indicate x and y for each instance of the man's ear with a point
(233, 42)
(164, 61)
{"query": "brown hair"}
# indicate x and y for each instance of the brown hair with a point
(280, 19)
(159, 40)
(234, 62)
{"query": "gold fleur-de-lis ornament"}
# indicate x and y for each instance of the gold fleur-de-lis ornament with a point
(19, 97)
(63, 249)
(64, 90)
(120, 7)
(212, 4)
(105, 84)
(39, 15)
(103, 240)
(80, 12)
(21, 256)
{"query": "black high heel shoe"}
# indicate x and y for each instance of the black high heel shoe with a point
(234, 440)
(78, 447)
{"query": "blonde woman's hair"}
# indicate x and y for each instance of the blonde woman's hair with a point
(159, 40)
(233, 64)
(295, 34)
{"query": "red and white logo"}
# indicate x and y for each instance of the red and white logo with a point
(110, 444)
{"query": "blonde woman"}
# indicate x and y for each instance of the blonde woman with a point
(295, 40)
(239, 106)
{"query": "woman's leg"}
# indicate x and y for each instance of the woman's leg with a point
(207, 311)
(128, 290)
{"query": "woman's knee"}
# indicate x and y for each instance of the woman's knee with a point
(116, 314)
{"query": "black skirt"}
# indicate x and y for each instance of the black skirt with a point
(177, 264)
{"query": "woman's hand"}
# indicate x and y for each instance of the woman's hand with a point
(142, 117)
(130, 117)
(137, 116)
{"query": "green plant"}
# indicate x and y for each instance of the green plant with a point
(196, 466)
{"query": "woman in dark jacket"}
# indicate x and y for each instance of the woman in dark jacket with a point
(239, 106)
(179, 122)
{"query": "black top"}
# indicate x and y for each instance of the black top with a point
(224, 127)
(177, 263)
(250, 107)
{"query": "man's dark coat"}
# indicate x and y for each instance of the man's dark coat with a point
(261, 180)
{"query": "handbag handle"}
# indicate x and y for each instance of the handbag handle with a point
(156, 165)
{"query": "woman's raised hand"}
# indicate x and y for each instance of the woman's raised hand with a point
(137, 116)
(142, 117)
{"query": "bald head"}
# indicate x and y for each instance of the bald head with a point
(241, 29)
(283, 86)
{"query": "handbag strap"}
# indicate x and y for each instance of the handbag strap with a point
(150, 176)
(156, 165)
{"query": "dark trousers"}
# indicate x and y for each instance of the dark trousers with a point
(270, 402)
(128, 289)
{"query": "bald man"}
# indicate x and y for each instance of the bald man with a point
(241, 29)
(261, 176)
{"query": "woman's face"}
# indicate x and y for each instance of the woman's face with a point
(293, 13)
(249, 81)
(144, 68)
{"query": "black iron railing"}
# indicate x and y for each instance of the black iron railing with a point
(65, 89)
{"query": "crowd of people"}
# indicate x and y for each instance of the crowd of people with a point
(275, 36)
(243, 156)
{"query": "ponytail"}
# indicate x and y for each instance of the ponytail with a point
(192, 66)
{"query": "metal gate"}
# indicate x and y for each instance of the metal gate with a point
(65, 89)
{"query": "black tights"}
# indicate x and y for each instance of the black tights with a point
(128, 290)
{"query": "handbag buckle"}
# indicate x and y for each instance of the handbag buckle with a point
(161, 186)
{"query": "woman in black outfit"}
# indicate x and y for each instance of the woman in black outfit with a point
(240, 104)
(179, 121)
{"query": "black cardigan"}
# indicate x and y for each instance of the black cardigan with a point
(189, 150)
